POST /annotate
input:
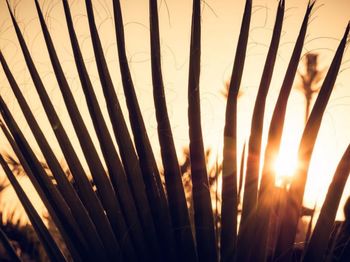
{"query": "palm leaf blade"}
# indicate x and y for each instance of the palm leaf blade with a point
(53, 252)
(54, 202)
(266, 191)
(203, 213)
(86, 193)
(65, 187)
(154, 188)
(250, 194)
(295, 198)
(229, 203)
(117, 173)
(104, 186)
(175, 190)
(317, 246)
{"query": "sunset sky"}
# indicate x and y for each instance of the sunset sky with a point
(220, 24)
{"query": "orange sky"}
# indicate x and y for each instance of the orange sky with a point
(221, 21)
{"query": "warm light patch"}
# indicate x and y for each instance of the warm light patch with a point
(285, 166)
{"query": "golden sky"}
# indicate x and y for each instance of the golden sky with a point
(220, 24)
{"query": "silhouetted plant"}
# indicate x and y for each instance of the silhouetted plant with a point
(128, 215)
(24, 240)
(310, 81)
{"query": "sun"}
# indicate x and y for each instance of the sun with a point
(285, 166)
